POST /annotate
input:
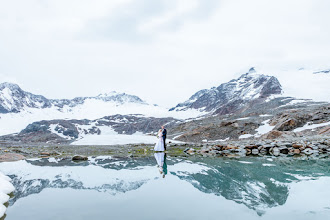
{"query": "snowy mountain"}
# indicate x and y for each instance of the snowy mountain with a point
(13, 99)
(19, 108)
(234, 95)
(241, 106)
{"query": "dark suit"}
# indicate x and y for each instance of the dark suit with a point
(164, 132)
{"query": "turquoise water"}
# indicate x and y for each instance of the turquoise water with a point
(170, 188)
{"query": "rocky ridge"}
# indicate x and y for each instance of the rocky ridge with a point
(233, 96)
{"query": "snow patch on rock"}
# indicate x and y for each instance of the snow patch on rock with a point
(5, 188)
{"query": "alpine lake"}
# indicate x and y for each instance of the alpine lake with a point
(160, 186)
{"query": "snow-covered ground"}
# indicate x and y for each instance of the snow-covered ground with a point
(309, 126)
(263, 129)
(91, 109)
(5, 188)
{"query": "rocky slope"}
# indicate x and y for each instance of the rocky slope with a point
(234, 96)
(68, 131)
(285, 121)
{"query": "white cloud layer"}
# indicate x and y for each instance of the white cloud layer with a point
(164, 50)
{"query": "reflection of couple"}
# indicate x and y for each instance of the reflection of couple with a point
(161, 161)
(161, 144)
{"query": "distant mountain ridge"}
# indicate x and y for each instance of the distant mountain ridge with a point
(13, 99)
(247, 107)
(234, 95)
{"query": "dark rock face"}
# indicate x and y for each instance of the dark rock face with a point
(233, 96)
(322, 71)
(79, 158)
(13, 99)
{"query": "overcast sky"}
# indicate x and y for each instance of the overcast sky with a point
(162, 51)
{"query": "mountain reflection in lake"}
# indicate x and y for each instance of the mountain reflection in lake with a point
(194, 188)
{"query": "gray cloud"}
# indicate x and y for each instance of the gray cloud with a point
(64, 49)
(123, 23)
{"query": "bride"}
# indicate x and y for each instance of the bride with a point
(160, 144)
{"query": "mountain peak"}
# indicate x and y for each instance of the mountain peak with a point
(108, 94)
(234, 95)
(9, 85)
(13, 99)
(252, 70)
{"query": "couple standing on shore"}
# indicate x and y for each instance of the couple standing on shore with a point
(161, 144)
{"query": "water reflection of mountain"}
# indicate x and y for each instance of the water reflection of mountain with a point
(257, 183)
(41, 174)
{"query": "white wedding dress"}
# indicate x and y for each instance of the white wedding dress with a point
(160, 144)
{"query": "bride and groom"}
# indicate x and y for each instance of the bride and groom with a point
(161, 144)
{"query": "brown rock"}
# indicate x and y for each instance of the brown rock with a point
(288, 125)
(191, 151)
(251, 146)
(273, 134)
(45, 154)
(325, 130)
(296, 151)
(297, 146)
(231, 147)
(278, 134)
(11, 157)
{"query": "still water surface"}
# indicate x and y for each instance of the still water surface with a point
(163, 187)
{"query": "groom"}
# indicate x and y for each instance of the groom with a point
(164, 132)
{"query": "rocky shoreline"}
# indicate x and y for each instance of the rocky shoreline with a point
(316, 147)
